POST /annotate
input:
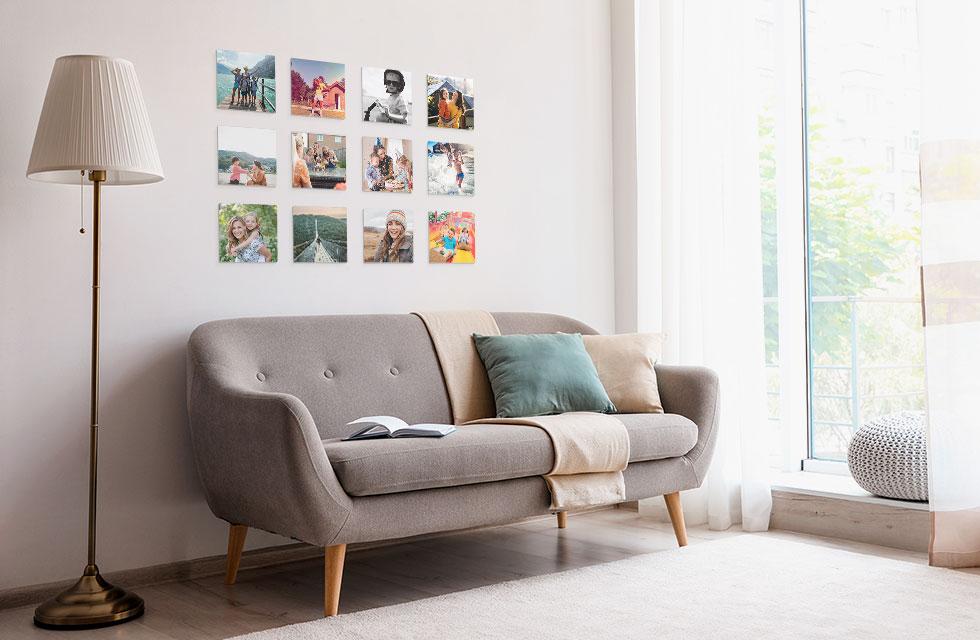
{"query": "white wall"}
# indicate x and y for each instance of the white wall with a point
(543, 204)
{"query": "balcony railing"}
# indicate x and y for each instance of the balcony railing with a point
(846, 394)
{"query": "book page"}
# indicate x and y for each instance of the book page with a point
(431, 426)
(389, 422)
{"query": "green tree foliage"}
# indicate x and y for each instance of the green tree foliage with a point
(267, 224)
(854, 248)
(332, 230)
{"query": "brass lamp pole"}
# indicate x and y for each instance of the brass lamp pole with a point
(92, 601)
(94, 121)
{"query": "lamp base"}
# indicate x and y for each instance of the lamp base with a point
(91, 602)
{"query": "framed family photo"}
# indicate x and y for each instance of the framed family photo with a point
(452, 237)
(451, 167)
(319, 234)
(319, 161)
(387, 165)
(246, 156)
(386, 95)
(317, 88)
(247, 233)
(449, 101)
(388, 235)
(246, 81)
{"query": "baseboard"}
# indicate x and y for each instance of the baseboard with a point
(156, 574)
(214, 565)
(883, 522)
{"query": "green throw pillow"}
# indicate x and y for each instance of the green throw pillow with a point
(541, 374)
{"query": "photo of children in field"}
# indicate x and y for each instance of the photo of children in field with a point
(450, 102)
(247, 233)
(246, 81)
(386, 95)
(452, 237)
(387, 235)
(387, 165)
(317, 88)
(319, 234)
(246, 156)
(452, 168)
(319, 161)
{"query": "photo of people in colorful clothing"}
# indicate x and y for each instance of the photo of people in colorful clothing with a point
(247, 233)
(450, 102)
(246, 81)
(452, 237)
(386, 95)
(246, 157)
(387, 165)
(319, 161)
(452, 168)
(317, 88)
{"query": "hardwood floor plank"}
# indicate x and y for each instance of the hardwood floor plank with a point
(204, 608)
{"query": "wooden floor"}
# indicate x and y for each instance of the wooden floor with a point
(285, 594)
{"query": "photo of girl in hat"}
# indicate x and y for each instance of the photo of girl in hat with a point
(387, 235)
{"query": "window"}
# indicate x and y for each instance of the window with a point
(864, 337)
(840, 222)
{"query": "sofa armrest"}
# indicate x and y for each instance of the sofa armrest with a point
(261, 460)
(693, 393)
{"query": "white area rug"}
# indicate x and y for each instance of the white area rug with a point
(750, 586)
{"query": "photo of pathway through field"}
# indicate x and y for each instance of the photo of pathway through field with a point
(319, 234)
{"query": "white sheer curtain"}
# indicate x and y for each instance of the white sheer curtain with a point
(712, 283)
(950, 172)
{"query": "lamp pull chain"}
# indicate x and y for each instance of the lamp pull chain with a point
(81, 201)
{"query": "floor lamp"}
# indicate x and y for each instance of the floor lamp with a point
(93, 122)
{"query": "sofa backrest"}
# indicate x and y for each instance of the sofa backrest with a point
(344, 367)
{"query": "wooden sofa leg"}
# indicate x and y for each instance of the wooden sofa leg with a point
(236, 542)
(562, 519)
(333, 574)
(673, 501)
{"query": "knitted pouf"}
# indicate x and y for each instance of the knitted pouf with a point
(887, 456)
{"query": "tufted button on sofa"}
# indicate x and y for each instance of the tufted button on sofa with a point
(269, 400)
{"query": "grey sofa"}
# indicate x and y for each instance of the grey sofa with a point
(269, 398)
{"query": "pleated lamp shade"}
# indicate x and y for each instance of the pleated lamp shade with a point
(94, 119)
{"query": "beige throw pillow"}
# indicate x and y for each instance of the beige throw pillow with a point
(625, 365)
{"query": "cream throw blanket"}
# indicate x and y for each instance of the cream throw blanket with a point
(591, 449)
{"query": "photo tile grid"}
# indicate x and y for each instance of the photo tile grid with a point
(247, 233)
(318, 159)
(245, 81)
(317, 89)
(247, 157)
(320, 234)
(451, 237)
(386, 164)
(386, 95)
(388, 235)
(451, 168)
(450, 101)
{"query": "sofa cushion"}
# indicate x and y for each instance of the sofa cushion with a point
(626, 364)
(541, 374)
(484, 453)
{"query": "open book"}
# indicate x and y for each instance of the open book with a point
(392, 427)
